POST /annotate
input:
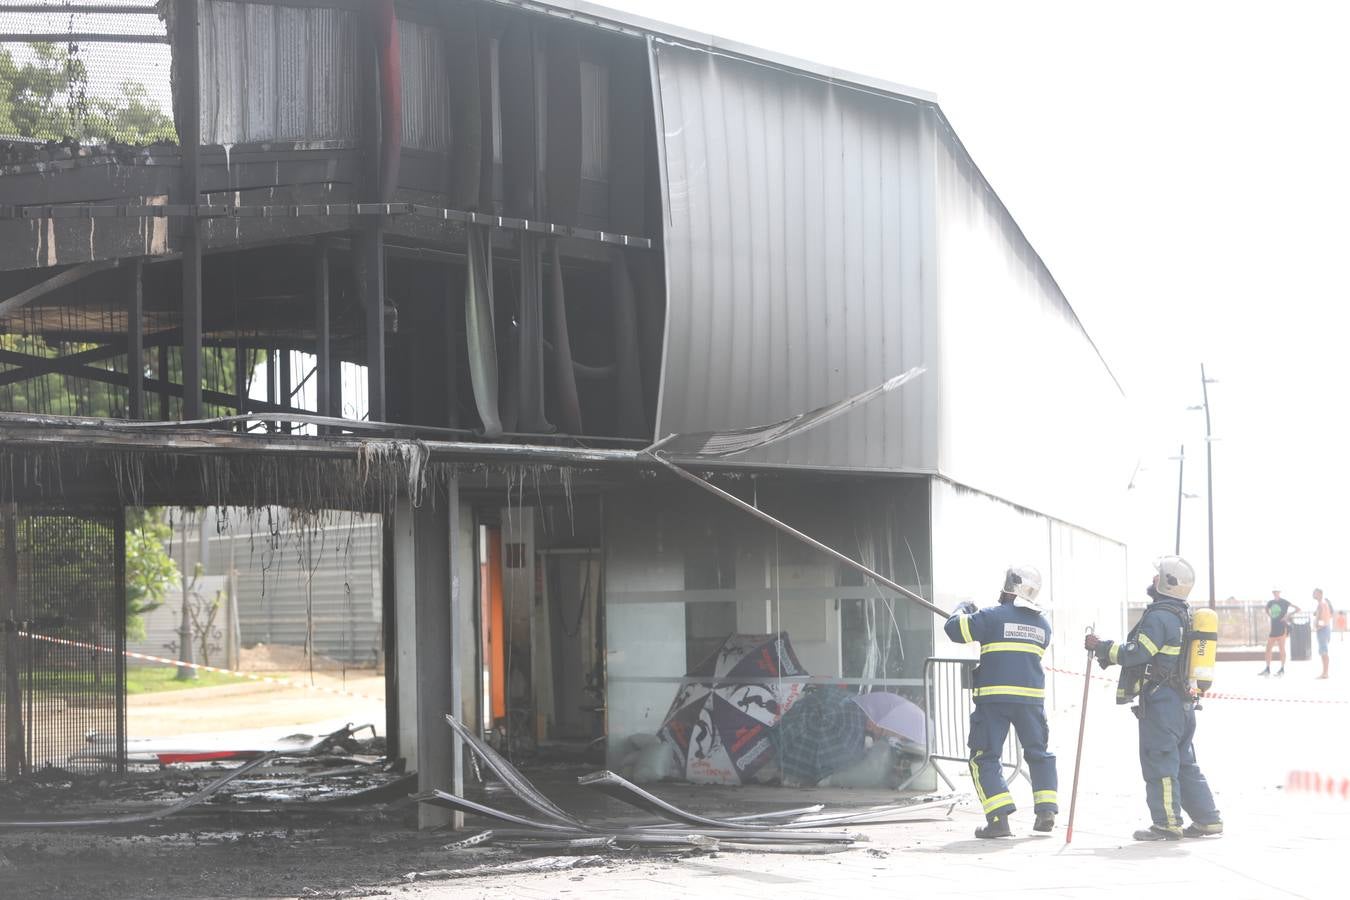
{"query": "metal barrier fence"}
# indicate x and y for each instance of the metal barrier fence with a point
(94, 72)
(949, 701)
(61, 575)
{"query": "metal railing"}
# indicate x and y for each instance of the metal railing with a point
(950, 701)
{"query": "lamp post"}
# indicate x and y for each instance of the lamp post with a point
(1205, 382)
(1181, 481)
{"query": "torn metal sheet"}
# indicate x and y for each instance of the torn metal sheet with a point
(879, 813)
(511, 777)
(619, 788)
(202, 795)
(602, 842)
(767, 818)
(460, 804)
(677, 839)
(479, 321)
(543, 864)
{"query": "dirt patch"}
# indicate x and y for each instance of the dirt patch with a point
(287, 658)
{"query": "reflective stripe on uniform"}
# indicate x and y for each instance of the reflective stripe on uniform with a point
(1009, 690)
(1170, 650)
(1046, 797)
(1013, 647)
(965, 629)
(1167, 803)
(975, 778)
(997, 802)
(1151, 647)
(1114, 653)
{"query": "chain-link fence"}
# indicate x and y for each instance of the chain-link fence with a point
(83, 73)
(61, 595)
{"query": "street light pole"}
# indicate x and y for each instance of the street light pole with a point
(1181, 481)
(1209, 477)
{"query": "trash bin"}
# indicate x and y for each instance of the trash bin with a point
(1300, 637)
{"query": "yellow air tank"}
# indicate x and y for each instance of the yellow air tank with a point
(1203, 650)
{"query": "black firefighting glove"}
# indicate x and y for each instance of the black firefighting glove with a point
(1100, 648)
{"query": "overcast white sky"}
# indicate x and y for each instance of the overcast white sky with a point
(1181, 169)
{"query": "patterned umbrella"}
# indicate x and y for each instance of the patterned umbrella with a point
(721, 728)
(890, 712)
(824, 732)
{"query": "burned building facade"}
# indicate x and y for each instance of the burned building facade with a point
(459, 262)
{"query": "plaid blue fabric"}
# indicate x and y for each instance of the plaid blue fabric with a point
(822, 733)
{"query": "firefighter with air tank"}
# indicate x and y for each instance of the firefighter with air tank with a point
(1166, 661)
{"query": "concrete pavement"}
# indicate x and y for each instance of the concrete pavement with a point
(1278, 843)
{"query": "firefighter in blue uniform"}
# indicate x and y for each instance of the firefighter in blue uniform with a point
(1009, 691)
(1152, 669)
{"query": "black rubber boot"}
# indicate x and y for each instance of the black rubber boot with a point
(1157, 833)
(997, 828)
(1045, 821)
(1196, 830)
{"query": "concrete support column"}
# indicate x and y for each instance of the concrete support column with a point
(425, 654)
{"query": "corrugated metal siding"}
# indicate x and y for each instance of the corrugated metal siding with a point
(426, 87)
(798, 248)
(277, 73)
(1029, 410)
(271, 582)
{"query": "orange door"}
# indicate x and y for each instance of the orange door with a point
(494, 626)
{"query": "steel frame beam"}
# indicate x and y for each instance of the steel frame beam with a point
(303, 210)
(187, 71)
(136, 340)
(106, 376)
(55, 283)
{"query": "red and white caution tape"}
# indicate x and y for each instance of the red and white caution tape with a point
(1318, 783)
(1220, 696)
(251, 676)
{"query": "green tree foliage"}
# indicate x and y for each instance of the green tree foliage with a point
(47, 97)
(150, 571)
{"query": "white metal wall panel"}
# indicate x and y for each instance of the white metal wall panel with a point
(1030, 412)
(976, 537)
(273, 73)
(798, 236)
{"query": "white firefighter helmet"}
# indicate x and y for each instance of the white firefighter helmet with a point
(1175, 577)
(1024, 584)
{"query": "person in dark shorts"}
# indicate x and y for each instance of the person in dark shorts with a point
(1279, 609)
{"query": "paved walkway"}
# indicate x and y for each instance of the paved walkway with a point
(1280, 843)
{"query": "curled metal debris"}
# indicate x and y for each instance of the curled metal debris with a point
(619, 788)
(797, 830)
(202, 795)
(511, 777)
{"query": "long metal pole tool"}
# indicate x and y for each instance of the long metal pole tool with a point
(789, 530)
(1078, 757)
